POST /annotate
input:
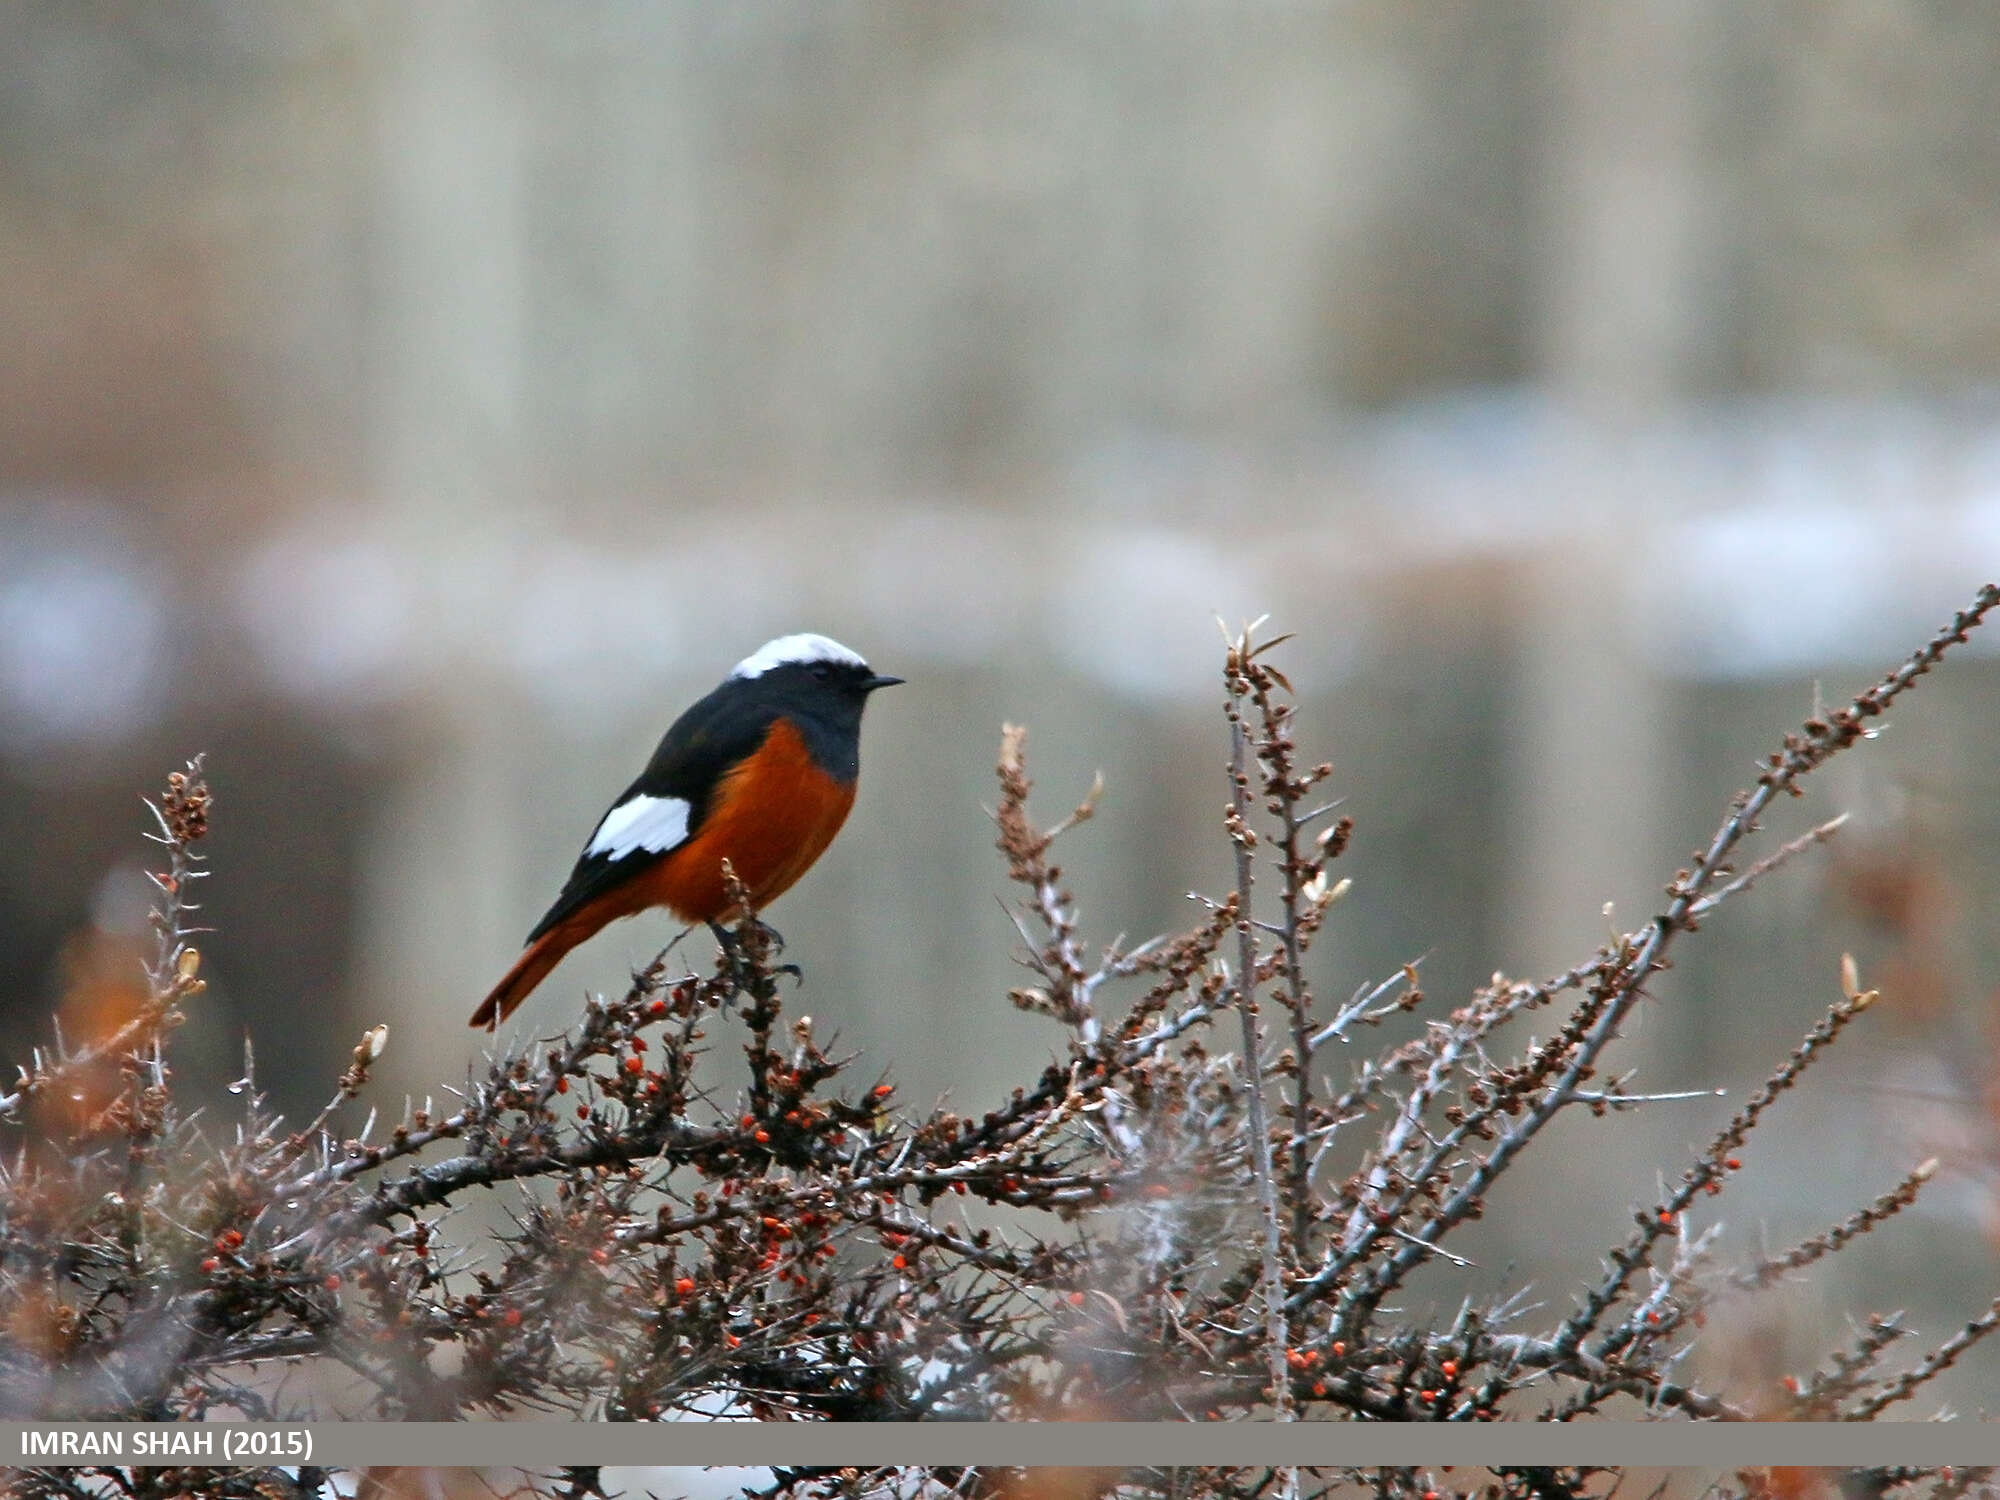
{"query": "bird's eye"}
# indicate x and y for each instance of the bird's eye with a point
(822, 671)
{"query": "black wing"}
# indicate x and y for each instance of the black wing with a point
(692, 757)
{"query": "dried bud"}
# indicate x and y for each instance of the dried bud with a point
(374, 1042)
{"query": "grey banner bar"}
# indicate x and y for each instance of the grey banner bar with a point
(546, 1445)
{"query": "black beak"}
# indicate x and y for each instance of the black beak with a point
(870, 684)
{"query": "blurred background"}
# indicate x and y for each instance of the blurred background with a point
(414, 407)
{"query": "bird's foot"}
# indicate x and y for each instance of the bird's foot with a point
(732, 944)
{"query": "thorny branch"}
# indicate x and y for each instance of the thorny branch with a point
(1146, 1230)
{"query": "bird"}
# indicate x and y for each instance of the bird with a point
(760, 773)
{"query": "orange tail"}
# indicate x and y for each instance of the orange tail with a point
(529, 970)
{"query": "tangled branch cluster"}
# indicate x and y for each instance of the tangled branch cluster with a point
(1184, 1217)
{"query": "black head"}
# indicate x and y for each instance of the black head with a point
(812, 674)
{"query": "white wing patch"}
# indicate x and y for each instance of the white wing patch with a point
(795, 650)
(655, 824)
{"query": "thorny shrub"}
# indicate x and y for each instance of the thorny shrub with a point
(1155, 1228)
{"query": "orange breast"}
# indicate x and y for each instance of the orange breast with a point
(770, 818)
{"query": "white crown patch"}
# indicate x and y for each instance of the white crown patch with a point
(794, 650)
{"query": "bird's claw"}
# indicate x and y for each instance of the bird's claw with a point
(731, 944)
